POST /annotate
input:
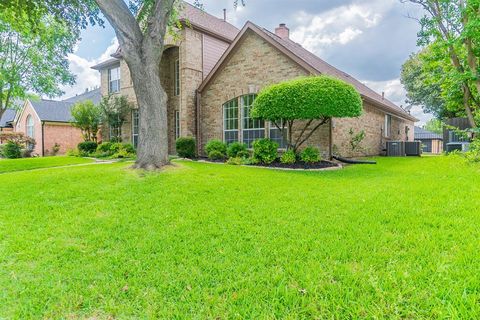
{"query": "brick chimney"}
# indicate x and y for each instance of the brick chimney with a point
(282, 31)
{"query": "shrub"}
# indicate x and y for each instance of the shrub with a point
(73, 153)
(87, 147)
(243, 154)
(115, 150)
(235, 148)
(216, 145)
(129, 148)
(55, 149)
(186, 147)
(318, 98)
(104, 147)
(12, 150)
(265, 150)
(473, 154)
(288, 157)
(310, 155)
(237, 161)
(216, 155)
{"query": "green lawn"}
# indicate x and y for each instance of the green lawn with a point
(38, 163)
(201, 241)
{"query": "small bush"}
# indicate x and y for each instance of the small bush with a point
(243, 154)
(12, 150)
(216, 145)
(265, 150)
(237, 161)
(473, 154)
(104, 147)
(310, 155)
(186, 147)
(289, 157)
(216, 155)
(235, 148)
(55, 149)
(87, 147)
(73, 153)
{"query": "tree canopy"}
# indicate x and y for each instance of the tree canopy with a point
(87, 117)
(311, 98)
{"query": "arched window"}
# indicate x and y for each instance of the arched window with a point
(30, 128)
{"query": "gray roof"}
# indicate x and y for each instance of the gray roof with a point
(7, 117)
(59, 111)
(422, 134)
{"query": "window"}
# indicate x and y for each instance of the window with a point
(388, 126)
(252, 129)
(230, 121)
(114, 134)
(276, 135)
(135, 127)
(177, 124)
(114, 80)
(176, 78)
(30, 127)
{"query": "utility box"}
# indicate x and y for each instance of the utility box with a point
(413, 148)
(396, 149)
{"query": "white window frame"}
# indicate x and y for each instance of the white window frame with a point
(177, 124)
(135, 126)
(114, 71)
(225, 130)
(30, 126)
(388, 126)
(176, 77)
(244, 130)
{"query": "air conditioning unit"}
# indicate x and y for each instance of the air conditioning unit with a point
(461, 146)
(413, 148)
(396, 149)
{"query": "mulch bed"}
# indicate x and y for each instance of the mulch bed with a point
(299, 165)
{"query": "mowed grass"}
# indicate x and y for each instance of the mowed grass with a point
(7, 165)
(201, 241)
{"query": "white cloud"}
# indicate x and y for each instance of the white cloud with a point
(85, 76)
(340, 25)
(395, 92)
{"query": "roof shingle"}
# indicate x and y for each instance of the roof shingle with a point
(421, 134)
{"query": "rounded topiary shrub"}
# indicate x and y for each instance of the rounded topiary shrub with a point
(11, 150)
(216, 145)
(310, 155)
(186, 147)
(265, 150)
(216, 155)
(289, 157)
(87, 147)
(235, 148)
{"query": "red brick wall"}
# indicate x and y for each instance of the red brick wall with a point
(65, 135)
(21, 126)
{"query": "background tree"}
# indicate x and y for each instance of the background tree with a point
(434, 125)
(32, 62)
(313, 101)
(115, 111)
(87, 117)
(453, 28)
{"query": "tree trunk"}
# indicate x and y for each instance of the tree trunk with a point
(152, 150)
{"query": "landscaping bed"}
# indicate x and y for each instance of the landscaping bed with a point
(299, 165)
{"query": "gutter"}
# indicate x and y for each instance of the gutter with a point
(197, 119)
(43, 138)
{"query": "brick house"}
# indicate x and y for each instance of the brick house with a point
(213, 72)
(49, 122)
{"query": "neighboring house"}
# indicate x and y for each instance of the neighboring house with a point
(213, 73)
(431, 142)
(451, 133)
(49, 122)
(6, 121)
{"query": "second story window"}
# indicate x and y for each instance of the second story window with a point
(114, 80)
(176, 78)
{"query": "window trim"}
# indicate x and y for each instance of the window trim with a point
(136, 113)
(176, 77)
(177, 124)
(388, 126)
(110, 81)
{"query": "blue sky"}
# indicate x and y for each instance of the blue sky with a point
(369, 39)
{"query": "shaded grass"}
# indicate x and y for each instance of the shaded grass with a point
(11, 165)
(396, 240)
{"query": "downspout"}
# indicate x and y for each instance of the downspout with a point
(43, 138)
(197, 120)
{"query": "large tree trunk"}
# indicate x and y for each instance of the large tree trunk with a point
(152, 150)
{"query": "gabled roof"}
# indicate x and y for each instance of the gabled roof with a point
(191, 16)
(311, 63)
(7, 118)
(60, 111)
(421, 134)
(206, 22)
